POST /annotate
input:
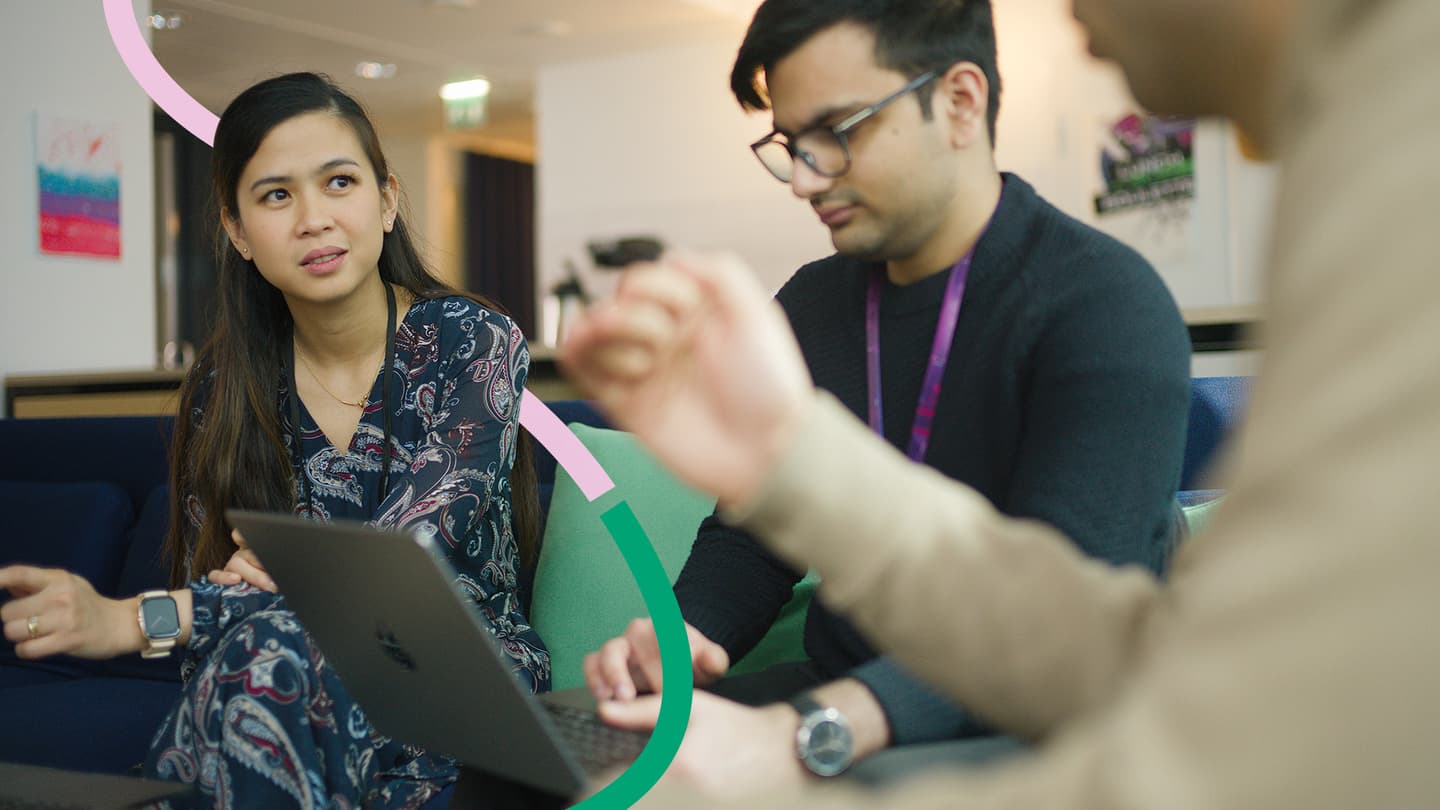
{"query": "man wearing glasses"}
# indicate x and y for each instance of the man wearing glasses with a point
(975, 327)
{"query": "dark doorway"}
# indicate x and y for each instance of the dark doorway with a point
(500, 234)
(186, 216)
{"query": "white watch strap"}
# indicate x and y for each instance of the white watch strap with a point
(154, 647)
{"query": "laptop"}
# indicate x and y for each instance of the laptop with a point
(383, 607)
(33, 786)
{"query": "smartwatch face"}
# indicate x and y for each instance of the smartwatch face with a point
(828, 749)
(162, 618)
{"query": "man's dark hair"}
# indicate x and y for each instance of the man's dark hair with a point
(911, 37)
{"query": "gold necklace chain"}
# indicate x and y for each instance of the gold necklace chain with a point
(326, 388)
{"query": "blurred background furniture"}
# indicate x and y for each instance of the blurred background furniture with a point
(91, 495)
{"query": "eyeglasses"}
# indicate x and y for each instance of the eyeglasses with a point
(824, 148)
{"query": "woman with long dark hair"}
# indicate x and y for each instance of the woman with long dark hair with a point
(343, 380)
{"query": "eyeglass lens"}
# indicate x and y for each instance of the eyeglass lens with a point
(820, 149)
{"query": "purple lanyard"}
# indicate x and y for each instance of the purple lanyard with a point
(939, 355)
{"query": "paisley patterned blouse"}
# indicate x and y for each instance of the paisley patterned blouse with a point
(458, 373)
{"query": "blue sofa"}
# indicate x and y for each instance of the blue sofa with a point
(1216, 404)
(90, 495)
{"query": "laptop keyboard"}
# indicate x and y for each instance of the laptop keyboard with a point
(598, 747)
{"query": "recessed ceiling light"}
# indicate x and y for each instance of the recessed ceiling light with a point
(165, 20)
(454, 3)
(375, 70)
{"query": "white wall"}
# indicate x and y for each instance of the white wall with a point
(1058, 104)
(69, 314)
(654, 143)
(1225, 364)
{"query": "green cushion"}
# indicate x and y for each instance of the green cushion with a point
(785, 640)
(1198, 516)
(585, 594)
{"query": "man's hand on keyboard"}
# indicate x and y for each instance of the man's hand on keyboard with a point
(730, 750)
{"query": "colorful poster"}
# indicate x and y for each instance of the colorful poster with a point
(1148, 162)
(79, 165)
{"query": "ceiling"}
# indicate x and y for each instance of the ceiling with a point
(224, 46)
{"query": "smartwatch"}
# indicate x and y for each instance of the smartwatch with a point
(159, 623)
(824, 742)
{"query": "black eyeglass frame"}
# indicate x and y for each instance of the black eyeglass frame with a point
(840, 131)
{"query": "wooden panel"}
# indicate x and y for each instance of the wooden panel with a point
(151, 393)
(117, 403)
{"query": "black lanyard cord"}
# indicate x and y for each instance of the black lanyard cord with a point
(385, 409)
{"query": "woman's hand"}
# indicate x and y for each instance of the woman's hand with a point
(55, 611)
(243, 566)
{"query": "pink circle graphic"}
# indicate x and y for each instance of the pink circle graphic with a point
(147, 70)
(565, 446)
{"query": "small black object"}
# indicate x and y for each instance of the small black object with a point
(627, 251)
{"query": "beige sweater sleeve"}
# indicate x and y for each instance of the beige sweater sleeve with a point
(1020, 627)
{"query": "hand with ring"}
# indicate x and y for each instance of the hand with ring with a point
(55, 611)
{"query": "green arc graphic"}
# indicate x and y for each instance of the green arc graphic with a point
(654, 584)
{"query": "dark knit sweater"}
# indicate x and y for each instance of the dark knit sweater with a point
(1065, 399)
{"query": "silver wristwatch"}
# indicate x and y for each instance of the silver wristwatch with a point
(824, 741)
(159, 618)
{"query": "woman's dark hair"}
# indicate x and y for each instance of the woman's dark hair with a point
(911, 37)
(237, 459)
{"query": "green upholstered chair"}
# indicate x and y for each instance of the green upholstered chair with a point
(585, 594)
